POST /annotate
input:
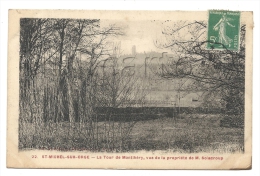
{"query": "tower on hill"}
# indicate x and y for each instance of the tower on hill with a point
(134, 50)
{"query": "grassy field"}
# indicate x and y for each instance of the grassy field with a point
(189, 134)
(200, 134)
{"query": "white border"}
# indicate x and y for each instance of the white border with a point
(245, 5)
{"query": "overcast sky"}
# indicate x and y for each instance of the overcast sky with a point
(142, 34)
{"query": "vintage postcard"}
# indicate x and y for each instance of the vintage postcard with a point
(130, 89)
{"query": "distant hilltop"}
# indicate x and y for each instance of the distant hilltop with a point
(151, 57)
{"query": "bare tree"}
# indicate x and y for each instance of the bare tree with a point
(35, 50)
(66, 84)
(217, 72)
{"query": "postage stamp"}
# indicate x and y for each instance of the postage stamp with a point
(223, 29)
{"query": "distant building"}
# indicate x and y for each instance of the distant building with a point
(157, 91)
(134, 50)
(160, 92)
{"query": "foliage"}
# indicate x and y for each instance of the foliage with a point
(219, 73)
(61, 83)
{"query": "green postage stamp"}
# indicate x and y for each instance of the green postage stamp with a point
(223, 29)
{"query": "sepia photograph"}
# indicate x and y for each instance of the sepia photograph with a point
(132, 89)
